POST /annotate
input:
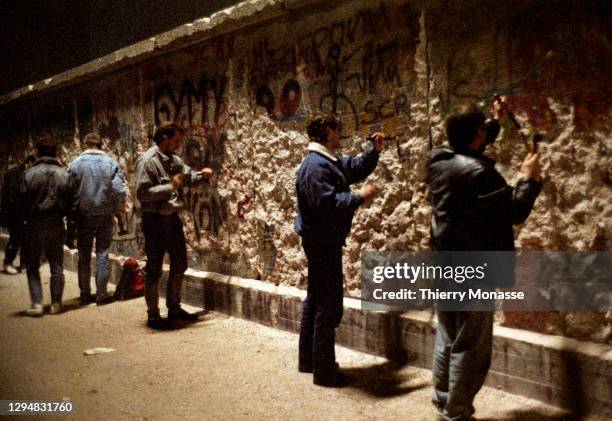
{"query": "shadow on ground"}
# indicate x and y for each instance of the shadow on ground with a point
(178, 325)
(68, 306)
(381, 380)
(531, 415)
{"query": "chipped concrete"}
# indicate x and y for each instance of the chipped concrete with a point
(243, 81)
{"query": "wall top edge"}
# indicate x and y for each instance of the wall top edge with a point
(243, 14)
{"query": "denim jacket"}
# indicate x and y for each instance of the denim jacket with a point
(98, 184)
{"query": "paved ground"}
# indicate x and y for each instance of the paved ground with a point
(218, 368)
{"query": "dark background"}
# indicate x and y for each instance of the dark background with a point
(40, 38)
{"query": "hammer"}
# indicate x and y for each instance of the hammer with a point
(530, 141)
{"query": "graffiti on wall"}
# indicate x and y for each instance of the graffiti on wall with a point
(201, 107)
(356, 68)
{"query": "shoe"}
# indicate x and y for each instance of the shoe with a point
(182, 316)
(36, 310)
(86, 299)
(157, 323)
(333, 379)
(103, 299)
(305, 368)
(9, 269)
(56, 308)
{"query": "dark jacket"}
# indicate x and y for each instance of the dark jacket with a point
(473, 207)
(46, 190)
(325, 202)
(12, 180)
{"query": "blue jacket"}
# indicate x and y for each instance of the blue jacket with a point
(98, 183)
(325, 202)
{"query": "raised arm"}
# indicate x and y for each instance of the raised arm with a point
(357, 168)
(495, 199)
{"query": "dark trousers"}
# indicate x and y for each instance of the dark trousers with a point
(16, 233)
(45, 235)
(462, 356)
(163, 234)
(322, 309)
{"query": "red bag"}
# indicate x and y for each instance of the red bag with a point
(131, 284)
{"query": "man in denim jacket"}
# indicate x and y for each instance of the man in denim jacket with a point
(99, 189)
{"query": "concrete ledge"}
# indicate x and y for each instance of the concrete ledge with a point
(552, 369)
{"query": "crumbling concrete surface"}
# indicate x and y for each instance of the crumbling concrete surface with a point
(244, 82)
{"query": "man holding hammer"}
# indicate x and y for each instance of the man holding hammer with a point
(473, 210)
(160, 174)
(325, 212)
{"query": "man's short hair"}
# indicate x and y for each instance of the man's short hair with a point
(318, 125)
(462, 126)
(168, 129)
(46, 146)
(93, 139)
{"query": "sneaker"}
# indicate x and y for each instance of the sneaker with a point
(103, 299)
(157, 323)
(86, 299)
(56, 308)
(182, 315)
(36, 310)
(9, 269)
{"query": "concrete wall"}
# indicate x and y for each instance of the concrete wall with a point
(243, 82)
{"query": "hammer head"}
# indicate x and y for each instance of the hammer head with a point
(536, 138)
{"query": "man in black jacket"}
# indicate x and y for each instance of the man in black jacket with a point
(12, 217)
(45, 197)
(473, 209)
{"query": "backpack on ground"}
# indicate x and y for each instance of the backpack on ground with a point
(131, 284)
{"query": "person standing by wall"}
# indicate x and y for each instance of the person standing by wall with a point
(12, 217)
(99, 192)
(160, 174)
(325, 212)
(45, 198)
(473, 209)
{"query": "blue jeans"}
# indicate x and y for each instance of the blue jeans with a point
(462, 356)
(89, 228)
(45, 235)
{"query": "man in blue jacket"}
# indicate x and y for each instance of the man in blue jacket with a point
(99, 191)
(325, 212)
